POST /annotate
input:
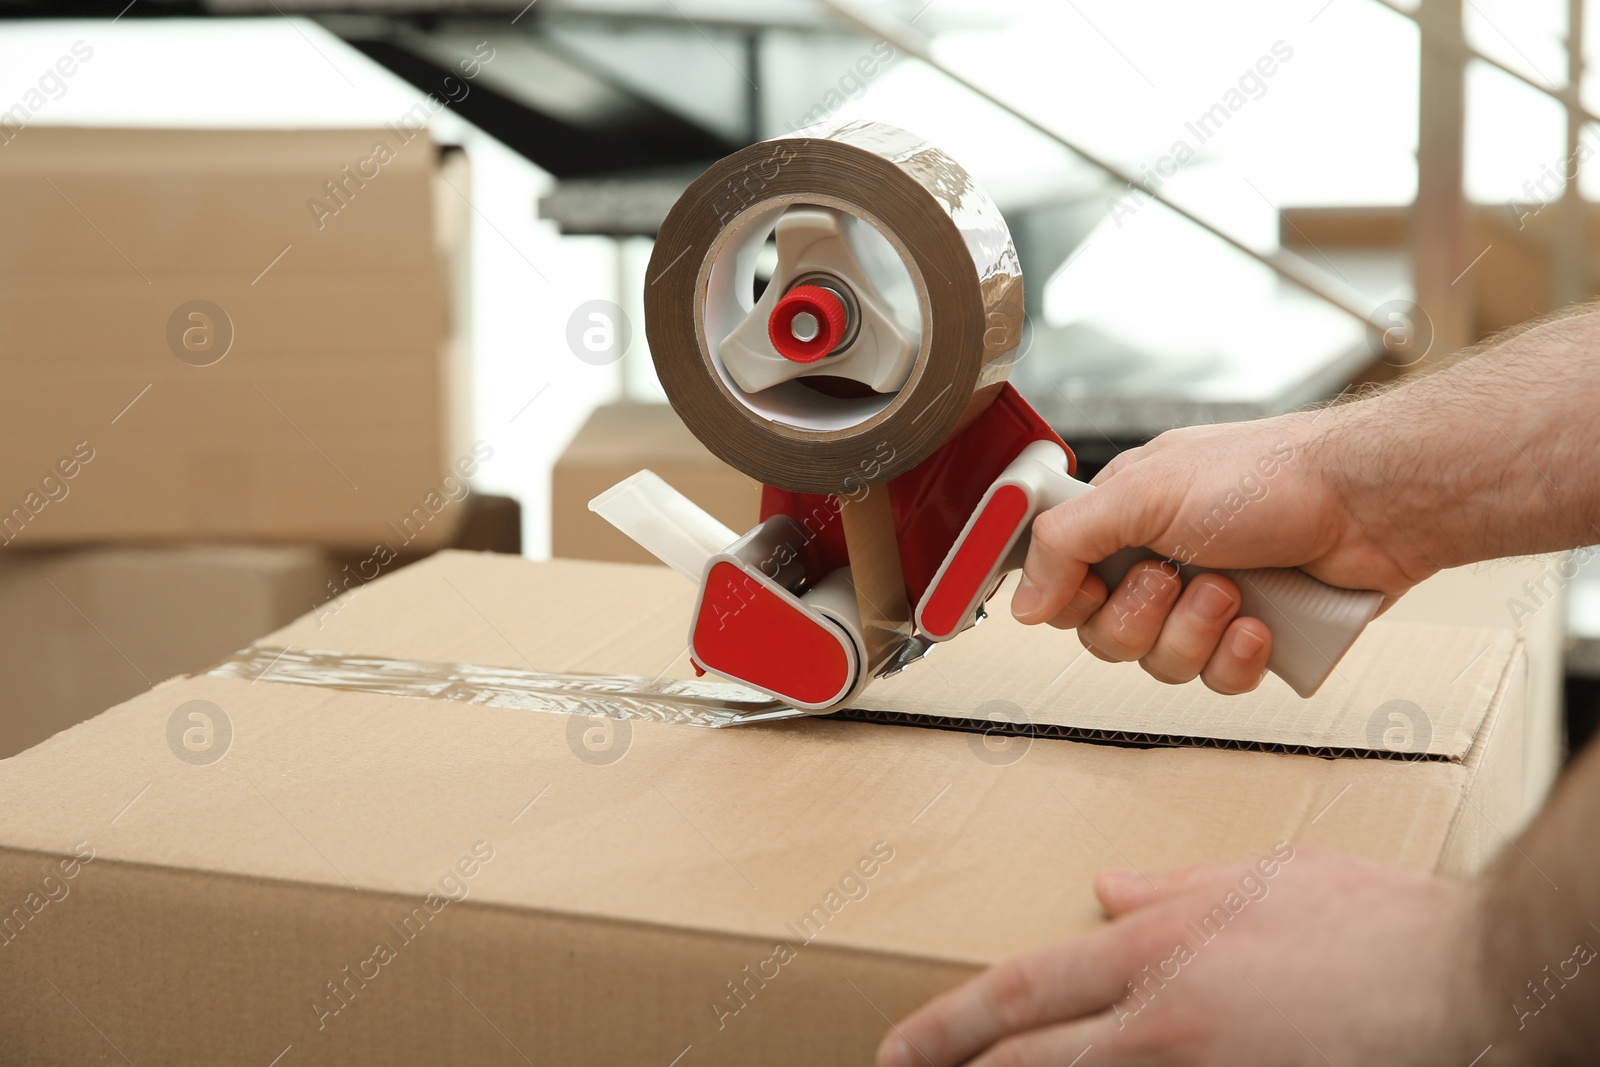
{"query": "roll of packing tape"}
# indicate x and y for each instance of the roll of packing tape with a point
(891, 253)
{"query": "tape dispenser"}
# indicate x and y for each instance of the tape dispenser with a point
(865, 388)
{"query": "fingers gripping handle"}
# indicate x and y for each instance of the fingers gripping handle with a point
(1313, 624)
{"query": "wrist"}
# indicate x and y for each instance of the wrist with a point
(1375, 503)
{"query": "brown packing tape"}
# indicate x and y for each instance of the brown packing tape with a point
(875, 572)
(948, 234)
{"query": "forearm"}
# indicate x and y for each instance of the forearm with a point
(1498, 455)
(1540, 938)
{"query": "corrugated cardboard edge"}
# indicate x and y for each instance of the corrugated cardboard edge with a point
(452, 228)
(302, 935)
(1126, 738)
(1494, 778)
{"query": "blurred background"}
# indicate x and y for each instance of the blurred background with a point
(287, 351)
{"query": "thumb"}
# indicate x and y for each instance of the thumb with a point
(1072, 535)
(1120, 892)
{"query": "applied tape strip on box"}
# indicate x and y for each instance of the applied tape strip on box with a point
(691, 703)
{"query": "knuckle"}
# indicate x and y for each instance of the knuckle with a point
(1084, 603)
(1180, 654)
(1121, 462)
(1051, 531)
(1014, 996)
(1175, 1031)
(1091, 595)
(1130, 634)
(1107, 642)
(1152, 576)
(1150, 586)
(932, 1032)
(1166, 672)
(1198, 624)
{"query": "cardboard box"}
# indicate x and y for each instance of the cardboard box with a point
(228, 335)
(622, 439)
(1525, 597)
(1514, 282)
(343, 874)
(83, 629)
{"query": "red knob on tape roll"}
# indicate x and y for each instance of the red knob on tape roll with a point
(807, 323)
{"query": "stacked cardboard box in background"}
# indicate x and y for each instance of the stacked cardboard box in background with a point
(239, 335)
(619, 440)
(209, 337)
(1516, 282)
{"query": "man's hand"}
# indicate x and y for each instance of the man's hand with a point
(1249, 495)
(1326, 959)
(1495, 455)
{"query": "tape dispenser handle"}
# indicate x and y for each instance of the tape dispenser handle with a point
(1313, 624)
